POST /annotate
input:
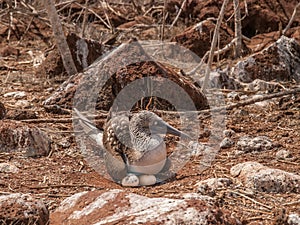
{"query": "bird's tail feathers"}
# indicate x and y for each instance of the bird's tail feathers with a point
(88, 128)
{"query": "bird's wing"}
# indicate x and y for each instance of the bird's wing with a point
(114, 136)
(89, 129)
(114, 160)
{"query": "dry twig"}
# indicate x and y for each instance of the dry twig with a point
(213, 44)
(61, 41)
(251, 199)
(218, 52)
(292, 19)
(237, 28)
(178, 14)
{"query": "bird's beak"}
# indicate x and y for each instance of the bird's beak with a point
(165, 128)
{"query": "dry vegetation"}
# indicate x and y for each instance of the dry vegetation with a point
(27, 40)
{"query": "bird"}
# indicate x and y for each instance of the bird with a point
(135, 151)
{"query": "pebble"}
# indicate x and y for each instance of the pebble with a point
(226, 143)
(15, 94)
(283, 154)
(8, 168)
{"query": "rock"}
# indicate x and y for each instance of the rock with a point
(261, 178)
(293, 219)
(121, 207)
(261, 85)
(284, 154)
(228, 133)
(197, 148)
(22, 209)
(8, 168)
(23, 104)
(84, 53)
(241, 112)
(259, 143)
(15, 94)
(279, 61)
(226, 143)
(111, 74)
(16, 136)
(233, 96)
(64, 143)
(210, 186)
(220, 79)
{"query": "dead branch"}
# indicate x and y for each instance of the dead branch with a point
(237, 29)
(63, 186)
(107, 18)
(61, 41)
(85, 15)
(178, 14)
(260, 98)
(213, 44)
(239, 104)
(218, 52)
(95, 14)
(292, 19)
(251, 199)
(163, 22)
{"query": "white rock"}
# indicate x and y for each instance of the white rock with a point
(8, 168)
(15, 94)
(262, 178)
(22, 104)
(283, 154)
(121, 207)
(259, 143)
(293, 219)
(228, 133)
(226, 143)
(22, 209)
(209, 186)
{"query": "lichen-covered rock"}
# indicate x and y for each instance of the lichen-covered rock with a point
(284, 154)
(249, 144)
(20, 137)
(257, 176)
(8, 168)
(279, 61)
(293, 219)
(226, 143)
(120, 207)
(22, 209)
(100, 84)
(220, 79)
(209, 186)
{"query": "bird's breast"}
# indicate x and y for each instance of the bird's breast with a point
(152, 162)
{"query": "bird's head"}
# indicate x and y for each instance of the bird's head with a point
(151, 124)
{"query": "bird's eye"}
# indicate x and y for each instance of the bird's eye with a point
(155, 123)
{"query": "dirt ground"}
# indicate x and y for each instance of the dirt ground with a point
(65, 172)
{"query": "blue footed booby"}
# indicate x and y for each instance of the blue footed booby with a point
(135, 150)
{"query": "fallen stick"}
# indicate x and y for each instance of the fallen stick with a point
(216, 109)
(292, 19)
(178, 14)
(239, 104)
